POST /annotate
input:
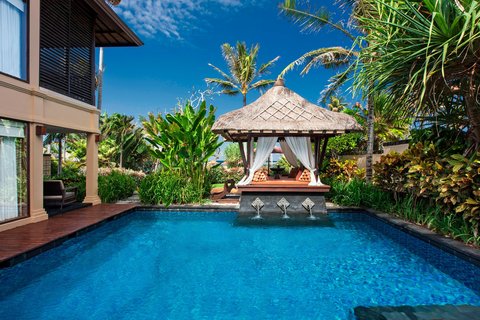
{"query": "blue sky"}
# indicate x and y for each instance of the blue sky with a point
(182, 36)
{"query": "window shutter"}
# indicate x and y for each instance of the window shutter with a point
(67, 48)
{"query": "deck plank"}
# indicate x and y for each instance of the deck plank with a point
(16, 243)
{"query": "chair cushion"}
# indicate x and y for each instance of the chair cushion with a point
(70, 195)
(59, 198)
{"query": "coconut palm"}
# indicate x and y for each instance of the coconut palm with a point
(57, 137)
(242, 67)
(121, 128)
(335, 57)
(336, 104)
(425, 52)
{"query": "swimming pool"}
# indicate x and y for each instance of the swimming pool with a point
(202, 265)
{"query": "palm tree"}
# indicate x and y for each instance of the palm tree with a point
(388, 122)
(335, 57)
(121, 128)
(242, 67)
(426, 53)
(56, 137)
(336, 104)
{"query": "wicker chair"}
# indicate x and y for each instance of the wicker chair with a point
(55, 193)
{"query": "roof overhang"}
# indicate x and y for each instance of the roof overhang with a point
(110, 30)
(244, 135)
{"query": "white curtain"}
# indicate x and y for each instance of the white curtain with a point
(11, 17)
(302, 148)
(265, 147)
(288, 153)
(8, 179)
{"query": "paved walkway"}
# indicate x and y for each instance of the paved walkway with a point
(23, 242)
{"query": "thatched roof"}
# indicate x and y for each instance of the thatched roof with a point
(282, 112)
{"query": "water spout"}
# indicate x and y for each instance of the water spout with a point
(258, 205)
(308, 205)
(284, 204)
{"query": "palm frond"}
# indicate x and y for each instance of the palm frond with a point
(224, 84)
(230, 92)
(226, 76)
(262, 84)
(311, 21)
(335, 83)
(327, 55)
(264, 68)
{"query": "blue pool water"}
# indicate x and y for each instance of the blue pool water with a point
(194, 265)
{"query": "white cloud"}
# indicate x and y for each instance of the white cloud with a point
(172, 18)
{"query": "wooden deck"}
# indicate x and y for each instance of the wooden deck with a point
(283, 185)
(21, 243)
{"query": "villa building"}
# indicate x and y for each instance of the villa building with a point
(47, 85)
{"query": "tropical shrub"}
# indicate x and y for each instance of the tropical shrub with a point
(344, 170)
(232, 155)
(168, 187)
(216, 174)
(460, 189)
(136, 175)
(235, 174)
(350, 143)
(391, 173)
(115, 186)
(422, 211)
(72, 176)
(183, 142)
(424, 169)
(219, 174)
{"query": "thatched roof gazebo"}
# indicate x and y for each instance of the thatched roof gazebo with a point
(280, 111)
(281, 115)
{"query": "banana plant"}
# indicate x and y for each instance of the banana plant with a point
(183, 141)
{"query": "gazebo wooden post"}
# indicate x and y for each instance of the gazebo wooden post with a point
(316, 155)
(249, 151)
(324, 150)
(244, 158)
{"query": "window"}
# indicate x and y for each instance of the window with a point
(13, 44)
(67, 41)
(13, 170)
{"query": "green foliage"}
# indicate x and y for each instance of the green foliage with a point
(345, 170)
(115, 186)
(183, 142)
(424, 53)
(216, 175)
(449, 186)
(123, 141)
(219, 174)
(283, 163)
(235, 174)
(169, 187)
(460, 190)
(350, 143)
(425, 167)
(447, 141)
(391, 173)
(72, 176)
(232, 155)
(359, 193)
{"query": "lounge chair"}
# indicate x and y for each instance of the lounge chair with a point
(220, 194)
(55, 193)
